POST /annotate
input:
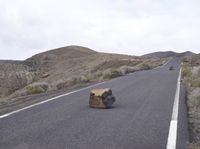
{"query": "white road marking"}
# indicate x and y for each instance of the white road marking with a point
(173, 133)
(45, 101)
(171, 142)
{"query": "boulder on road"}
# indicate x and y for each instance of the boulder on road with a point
(101, 98)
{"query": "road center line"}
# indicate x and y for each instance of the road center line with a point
(171, 142)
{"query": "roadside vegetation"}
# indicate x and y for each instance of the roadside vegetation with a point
(191, 79)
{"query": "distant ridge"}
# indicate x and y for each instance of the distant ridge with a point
(168, 54)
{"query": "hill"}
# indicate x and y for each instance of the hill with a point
(65, 67)
(18, 74)
(168, 54)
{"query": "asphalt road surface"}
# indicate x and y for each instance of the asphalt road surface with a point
(139, 119)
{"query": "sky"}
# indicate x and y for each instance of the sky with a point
(133, 27)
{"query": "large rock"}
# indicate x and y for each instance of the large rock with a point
(101, 98)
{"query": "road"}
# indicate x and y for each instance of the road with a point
(139, 119)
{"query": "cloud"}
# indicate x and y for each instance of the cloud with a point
(121, 26)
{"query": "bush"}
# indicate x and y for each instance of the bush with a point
(61, 84)
(195, 82)
(109, 74)
(96, 76)
(186, 72)
(145, 67)
(37, 88)
(127, 69)
(123, 70)
(22, 92)
(34, 90)
(84, 79)
(115, 73)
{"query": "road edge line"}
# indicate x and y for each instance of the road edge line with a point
(48, 100)
(172, 136)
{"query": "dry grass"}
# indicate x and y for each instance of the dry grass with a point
(191, 78)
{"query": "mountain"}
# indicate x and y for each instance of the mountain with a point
(168, 54)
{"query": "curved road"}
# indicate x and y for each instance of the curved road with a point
(139, 119)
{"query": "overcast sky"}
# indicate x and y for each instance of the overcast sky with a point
(132, 27)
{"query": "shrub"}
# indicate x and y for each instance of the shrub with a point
(84, 79)
(34, 90)
(127, 69)
(98, 74)
(123, 70)
(195, 82)
(115, 73)
(37, 88)
(61, 84)
(186, 72)
(145, 67)
(109, 74)
(22, 92)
